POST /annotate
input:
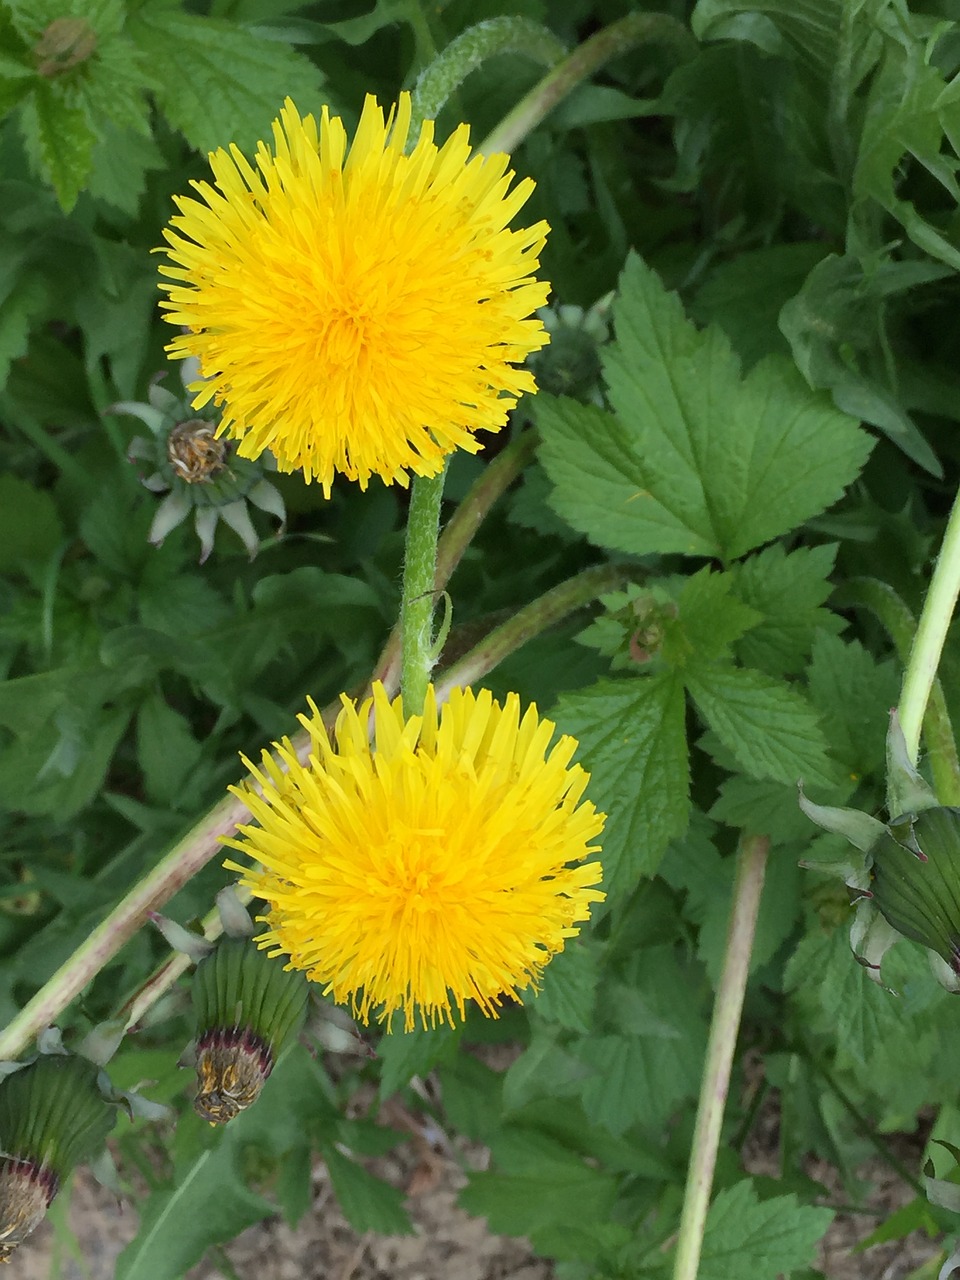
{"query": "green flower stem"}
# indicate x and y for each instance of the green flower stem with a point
(508, 34)
(419, 590)
(724, 1028)
(619, 37)
(171, 873)
(900, 624)
(493, 482)
(544, 612)
(931, 633)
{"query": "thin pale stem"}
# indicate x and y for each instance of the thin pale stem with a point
(544, 612)
(176, 964)
(900, 624)
(171, 873)
(419, 590)
(493, 482)
(931, 633)
(724, 1029)
(619, 37)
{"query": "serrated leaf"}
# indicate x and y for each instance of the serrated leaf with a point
(660, 476)
(121, 160)
(555, 1189)
(568, 987)
(217, 82)
(711, 618)
(762, 1239)
(770, 728)
(854, 694)
(368, 1203)
(633, 740)
(59, 141)
(787, 589)
(405, 1054)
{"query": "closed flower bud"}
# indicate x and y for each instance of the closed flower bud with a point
(52, 1116)
(916, 880)
(247, 1007)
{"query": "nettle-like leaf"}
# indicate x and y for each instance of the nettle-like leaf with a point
(219, 83)
(693, 459)
(83, 72)
(771, 730)
(788, 590)
(632, 738)
(746, 1236)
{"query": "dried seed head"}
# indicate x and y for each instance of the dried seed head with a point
(194, 451)
(26, 1192)
(232, 1068)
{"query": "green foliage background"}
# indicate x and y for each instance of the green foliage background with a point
(772, 192)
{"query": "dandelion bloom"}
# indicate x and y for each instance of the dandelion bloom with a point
(358, 311)
(444, 863)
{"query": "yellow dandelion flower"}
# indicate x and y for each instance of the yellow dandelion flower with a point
(444, 863)
(358, 311)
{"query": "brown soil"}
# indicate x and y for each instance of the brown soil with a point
(448, 1242)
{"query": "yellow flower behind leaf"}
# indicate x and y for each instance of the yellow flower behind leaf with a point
(445, 863)
(357, 309)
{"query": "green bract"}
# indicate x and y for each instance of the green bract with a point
(906, 878)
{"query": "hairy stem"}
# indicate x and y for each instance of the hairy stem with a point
(470, 49)
(619, 37)
(928, 643)
(493, 482)
(419, 591)
(724, 1028)
(900, 624)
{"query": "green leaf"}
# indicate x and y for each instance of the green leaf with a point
(744, 296)
(854, 694)
(405, 1054)
(368, 1204)
(788, 590)
(209, 1205)
(569, 985)
(59, 141)
(217, 82)
(122, 159)
(30, 529)
(546, 1192)
(660, 476)
(909, 108)
(167, 750)
(762, 1239)
(633, 740)
(711, 619)
(837, 326)
(771, 729)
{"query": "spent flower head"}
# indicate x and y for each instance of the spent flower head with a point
(446, 862)
(357, 308)
(200, 473)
